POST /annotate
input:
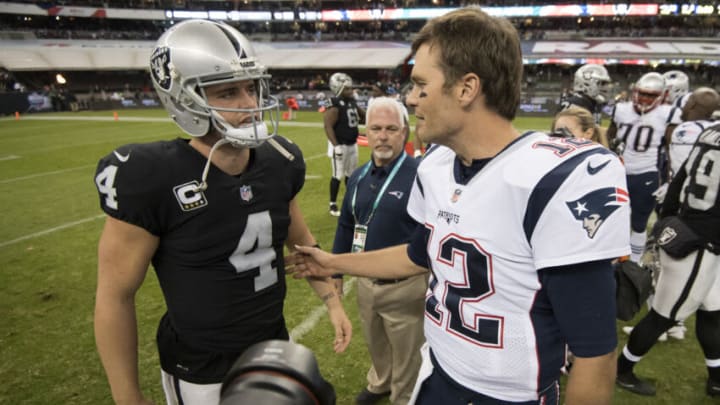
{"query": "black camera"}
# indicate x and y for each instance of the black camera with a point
(276, 372)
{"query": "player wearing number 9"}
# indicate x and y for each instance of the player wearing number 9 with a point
(519, 232)
(211, 214)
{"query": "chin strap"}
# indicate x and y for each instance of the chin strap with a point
(203, 180)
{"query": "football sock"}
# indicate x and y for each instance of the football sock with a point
(646, 333)
(334, 189)
(707, 329)
(637, 245)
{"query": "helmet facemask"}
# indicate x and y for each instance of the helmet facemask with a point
(649, 92)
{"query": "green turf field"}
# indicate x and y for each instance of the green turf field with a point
(49, 230)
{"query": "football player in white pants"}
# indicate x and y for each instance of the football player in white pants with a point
(689, 284)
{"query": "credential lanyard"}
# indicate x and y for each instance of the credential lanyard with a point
(382, 190)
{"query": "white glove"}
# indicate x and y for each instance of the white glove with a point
(660, 193)
(338, 150)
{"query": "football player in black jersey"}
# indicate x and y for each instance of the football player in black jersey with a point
(341, 120)
(689, 282)
(591, 88)
(211, 214)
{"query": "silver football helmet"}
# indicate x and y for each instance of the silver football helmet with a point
(649, 92)
(339, 82)
(678, 85)
(593, 81)
(194, 54)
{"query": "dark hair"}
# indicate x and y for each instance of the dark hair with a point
(471, 41)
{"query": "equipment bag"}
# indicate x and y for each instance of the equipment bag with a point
(634, 285)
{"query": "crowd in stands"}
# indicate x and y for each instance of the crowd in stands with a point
(550, 28)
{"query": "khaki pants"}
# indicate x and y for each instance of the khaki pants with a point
(392, 320)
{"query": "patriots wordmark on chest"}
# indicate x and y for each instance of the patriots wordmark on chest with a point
(448, 216)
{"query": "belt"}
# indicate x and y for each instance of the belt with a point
(384, 281)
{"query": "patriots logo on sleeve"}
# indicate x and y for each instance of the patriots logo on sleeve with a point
(596, 206)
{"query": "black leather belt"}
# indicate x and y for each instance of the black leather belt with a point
(384, 281)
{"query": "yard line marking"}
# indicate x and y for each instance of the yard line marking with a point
(142, 119)
(9, 157)
(51, 230)
(32, 176)
(311, 320)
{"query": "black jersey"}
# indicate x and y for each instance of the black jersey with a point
(346, 127)
(694, 193)
(583, 101)
(220, 256)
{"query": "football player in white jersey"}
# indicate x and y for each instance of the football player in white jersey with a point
(212, 214)
(642, 126)
(678, 86)
(507, 291)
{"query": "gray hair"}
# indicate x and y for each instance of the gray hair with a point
(391, 103)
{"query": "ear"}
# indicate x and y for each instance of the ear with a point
(470, 87)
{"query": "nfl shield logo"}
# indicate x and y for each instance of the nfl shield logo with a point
(246, 193)
(456, 195)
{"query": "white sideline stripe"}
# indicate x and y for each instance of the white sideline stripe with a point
(32, 176)
(140, 119)
(9, 157)
(311, 320)
(51, 230)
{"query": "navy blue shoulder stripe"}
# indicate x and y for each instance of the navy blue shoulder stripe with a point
(549, 184)
(420, 186)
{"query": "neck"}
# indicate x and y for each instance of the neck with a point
(227, 158)
(483, 138)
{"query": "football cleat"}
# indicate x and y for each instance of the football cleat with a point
(628, 381)
(712, 388)
(334, 211)
(677, 332)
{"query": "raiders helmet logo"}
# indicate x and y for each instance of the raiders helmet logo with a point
(160, 67)
(596, 206)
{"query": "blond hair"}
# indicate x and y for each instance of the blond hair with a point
(586, 121)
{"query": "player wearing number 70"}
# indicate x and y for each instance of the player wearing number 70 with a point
(520, 231)
(211, 214)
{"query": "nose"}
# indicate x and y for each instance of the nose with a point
(246, 99)
(412, 98)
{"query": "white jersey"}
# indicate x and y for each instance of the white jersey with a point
(682, 100)
(643, 135)
(542, 202)
(682, 140)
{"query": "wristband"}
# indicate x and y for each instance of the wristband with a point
(337, 276)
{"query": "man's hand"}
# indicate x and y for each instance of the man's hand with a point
(309, 261)
(343, 328)
(338, 151)
(660, 193)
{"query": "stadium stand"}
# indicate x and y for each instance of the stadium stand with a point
(102, 51)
